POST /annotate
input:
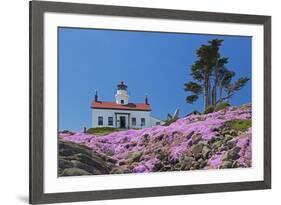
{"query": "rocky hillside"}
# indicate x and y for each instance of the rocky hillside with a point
(218, 140)
(76, 160)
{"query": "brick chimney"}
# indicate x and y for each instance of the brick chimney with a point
(146, 100)
(96, 96)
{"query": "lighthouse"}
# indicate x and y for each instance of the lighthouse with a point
(121, 96)
(122, 114)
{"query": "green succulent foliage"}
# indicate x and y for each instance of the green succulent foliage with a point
(100, 131)
(209, 109)
(222, 106)
(240, 125)
(170, 121)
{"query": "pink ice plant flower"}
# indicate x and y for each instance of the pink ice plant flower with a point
(175, 138)
(215, 161)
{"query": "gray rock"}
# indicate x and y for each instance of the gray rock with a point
(224, 156)
(186, 163)
(167, 166)
(233, 132)
(80, 157)
(235, 164)
(82, 166)
(196, 138)
(96, 172)
(158, 166)
(217, 144)
(227, 137)
(70, 148)
(206, 152)
(60, 171)
(212, 140)
(231, 143)
(122, 162)
(120, 170)
(110, 159)
(195, 165)
(239, 133)
(63, 164)
(136, 156)
(226, 164)
(219, 138)
(222, 148)
(74, 172)
(203, 163)
(233, 153)
(162, 156)
(196, 149)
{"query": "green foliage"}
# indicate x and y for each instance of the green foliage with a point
(209, 109)
(170, 121)
(100, 131)
(196, 90)
(191, 98)
(222, 106)
(225, 76)
(238, 85)
(211, 77)
(240, 125)
(172, 118)
(193, 87)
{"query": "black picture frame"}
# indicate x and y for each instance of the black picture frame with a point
(37, 10)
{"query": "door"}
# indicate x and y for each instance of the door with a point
(122, 122)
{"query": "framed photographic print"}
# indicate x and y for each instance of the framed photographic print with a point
(139, 102)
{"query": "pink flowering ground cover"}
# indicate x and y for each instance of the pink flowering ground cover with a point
(193, 142)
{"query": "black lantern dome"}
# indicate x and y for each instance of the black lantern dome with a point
(122, 86)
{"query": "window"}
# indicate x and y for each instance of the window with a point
(134, 121)
(110, 121)
(142, 121)
(157, 123)
(122, 102)
(100, 120)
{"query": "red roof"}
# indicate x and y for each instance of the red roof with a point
(115, 106)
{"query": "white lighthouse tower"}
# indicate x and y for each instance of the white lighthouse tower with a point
(121, 114)
(121, 96)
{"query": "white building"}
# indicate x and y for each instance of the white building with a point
(122, 113)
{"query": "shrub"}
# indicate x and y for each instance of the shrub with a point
(170, 121)
(222, 106)
(240, 125)
(102, 130)
(209, 109)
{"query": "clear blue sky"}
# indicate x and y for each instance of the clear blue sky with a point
(149, 62)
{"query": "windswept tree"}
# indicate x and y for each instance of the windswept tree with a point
(195, 88)
(211, 78)
(217, 63)
(201, 72)
(232, 88)
(224, 79)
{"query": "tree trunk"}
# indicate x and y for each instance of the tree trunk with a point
(209, 92)
(205, 93)
(213, 96)
(214, 102)
(220, 93)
